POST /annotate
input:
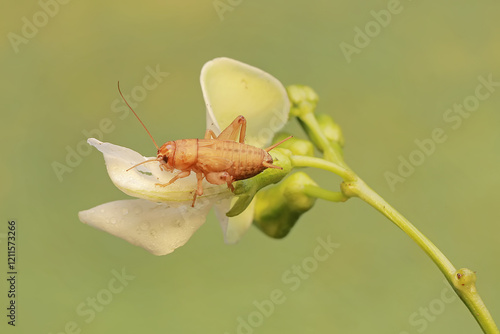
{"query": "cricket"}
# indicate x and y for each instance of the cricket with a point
(219, 159)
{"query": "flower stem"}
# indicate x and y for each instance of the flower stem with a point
(304, 161)
(465, 286)
(309, 122)
(360, 189)
(462, 281)
(318, 192)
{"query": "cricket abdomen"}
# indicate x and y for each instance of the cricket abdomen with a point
(241, 161)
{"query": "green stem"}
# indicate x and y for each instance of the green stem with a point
(309, 122)
(318, 192)
(304, 161)
(465, 286)
(360, 189)
(463, 281)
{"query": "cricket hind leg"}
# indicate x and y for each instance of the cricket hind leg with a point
(220, 178)
(199, 188)
(209, 134)
(231, 132)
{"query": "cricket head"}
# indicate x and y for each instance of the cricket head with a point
(166, 156)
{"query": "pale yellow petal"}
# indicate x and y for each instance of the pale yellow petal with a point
(232, 88)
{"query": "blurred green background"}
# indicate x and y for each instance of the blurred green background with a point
(395, 89)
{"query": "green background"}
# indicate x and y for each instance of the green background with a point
(394, 91)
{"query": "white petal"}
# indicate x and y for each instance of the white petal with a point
(159, 228)
(232, 88)
(141, 181)
(235, 227)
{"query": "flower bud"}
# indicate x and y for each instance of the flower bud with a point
(330, 129)
(303, 99)
(277, 209)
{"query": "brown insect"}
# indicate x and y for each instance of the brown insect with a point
(219, 159)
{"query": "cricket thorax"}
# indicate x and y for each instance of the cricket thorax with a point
(185, 154)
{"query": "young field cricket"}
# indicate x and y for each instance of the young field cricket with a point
(219, 159)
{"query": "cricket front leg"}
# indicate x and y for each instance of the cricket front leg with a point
(179, 175)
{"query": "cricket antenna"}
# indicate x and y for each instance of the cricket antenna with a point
(140, 163)
(137, 117)
(278, 143)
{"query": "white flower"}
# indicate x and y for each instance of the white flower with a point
(163, 219)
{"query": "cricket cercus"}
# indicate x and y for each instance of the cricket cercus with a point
(219, 159)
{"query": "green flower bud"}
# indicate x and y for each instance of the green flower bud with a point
(246, 189)
(303, 100)
(330, 129)
(295, 145)
(277, 209)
